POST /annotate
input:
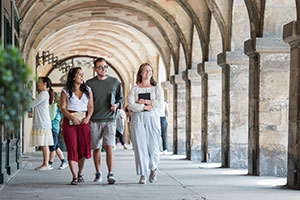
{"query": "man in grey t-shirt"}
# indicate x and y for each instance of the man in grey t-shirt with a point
(107, 95)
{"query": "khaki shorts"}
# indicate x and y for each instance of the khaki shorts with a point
(102, 133)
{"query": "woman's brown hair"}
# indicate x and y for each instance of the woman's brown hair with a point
(139, 75)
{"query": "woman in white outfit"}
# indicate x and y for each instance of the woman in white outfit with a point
(144, 100)
(41, 134)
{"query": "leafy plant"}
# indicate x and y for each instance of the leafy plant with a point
(15, 90)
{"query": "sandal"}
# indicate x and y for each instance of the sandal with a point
(80, 178)
(74, 181)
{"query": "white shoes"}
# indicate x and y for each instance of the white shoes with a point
(40, 168)
(63, 165)
(143, 179)
(50, 167)
(98, 177)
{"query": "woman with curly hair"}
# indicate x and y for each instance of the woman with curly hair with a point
(76, 104)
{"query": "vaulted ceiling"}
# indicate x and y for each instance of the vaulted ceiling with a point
(126, 32)
(130, 32)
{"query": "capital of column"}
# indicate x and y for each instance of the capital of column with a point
(232, 58)
(166, 85)
(250, 47)
(193, 75)
(177, 79)
(291, 33)
(201, 68)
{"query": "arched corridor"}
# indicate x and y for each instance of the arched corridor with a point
(229, 70)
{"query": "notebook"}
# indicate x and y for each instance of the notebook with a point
(112, 99)
(144, 96)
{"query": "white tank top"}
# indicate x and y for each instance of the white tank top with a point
(76, 104)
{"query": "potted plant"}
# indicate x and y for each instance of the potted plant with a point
(15, 100)
(15, 90)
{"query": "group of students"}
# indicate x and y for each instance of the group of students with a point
(89, 121)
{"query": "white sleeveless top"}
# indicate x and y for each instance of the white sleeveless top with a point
(76, 104)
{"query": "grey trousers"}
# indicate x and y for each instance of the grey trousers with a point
(145, 136)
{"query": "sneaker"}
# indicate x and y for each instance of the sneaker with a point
(153, 176)
(125, 146)
(165, 152)
(110, 178)
(50, 167)
(63, 165)
(98, 177)
(143, 179)
(42, 168)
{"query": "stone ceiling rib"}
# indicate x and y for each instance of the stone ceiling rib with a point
(163, 11)
(224, 22)
(200, 22)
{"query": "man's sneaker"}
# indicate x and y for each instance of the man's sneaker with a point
(50, 167)
(98, 177)
(153, 176)
(143, 179)
(110, 178)
(63, 165)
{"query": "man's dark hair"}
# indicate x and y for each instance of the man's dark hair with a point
(99, 60)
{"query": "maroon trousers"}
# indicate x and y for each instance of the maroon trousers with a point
(77, 140)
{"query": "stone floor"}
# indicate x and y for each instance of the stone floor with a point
(178, 179)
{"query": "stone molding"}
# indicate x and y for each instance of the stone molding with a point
(193, 75)
(265, 45)
(291, 33)
(166, 85)
(177, 79)
(232, 58)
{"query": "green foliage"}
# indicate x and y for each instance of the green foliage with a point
(15, 90)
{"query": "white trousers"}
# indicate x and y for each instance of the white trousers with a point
(145, 137)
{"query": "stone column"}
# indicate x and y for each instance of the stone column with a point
(234, 108)
(169, 98)
(204, 112)
(225, 129)
(268, 106)
(179, 114)
(214, 93)
(291, 35)
(193, 114)
(253, 112)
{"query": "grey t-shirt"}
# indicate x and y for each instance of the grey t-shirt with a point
(105, 91)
